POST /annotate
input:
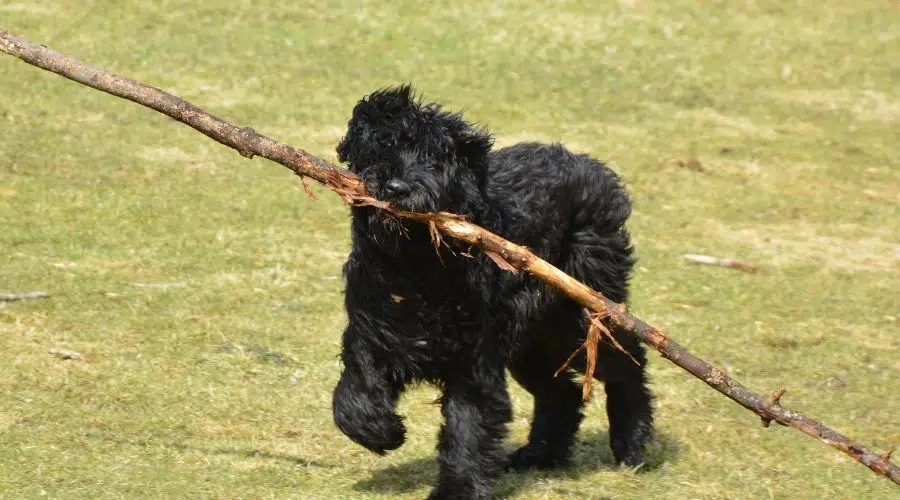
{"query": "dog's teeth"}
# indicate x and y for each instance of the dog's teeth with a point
(421, 343)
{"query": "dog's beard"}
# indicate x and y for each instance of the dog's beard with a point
(390, 231)
(416, 202)
(390, 224)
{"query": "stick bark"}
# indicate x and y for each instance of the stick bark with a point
(507, 254)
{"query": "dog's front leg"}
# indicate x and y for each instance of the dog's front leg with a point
(476, 409)
(364, 399)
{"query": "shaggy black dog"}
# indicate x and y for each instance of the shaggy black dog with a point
(454, 318)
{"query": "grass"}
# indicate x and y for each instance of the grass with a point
(218, 385)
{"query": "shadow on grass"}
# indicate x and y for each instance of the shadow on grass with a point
(592, 454)
(251, 453)
(234, 451)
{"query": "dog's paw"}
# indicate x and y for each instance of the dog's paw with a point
(628, 449)
(461, 491)
(377, 433)
(535, 457)
(629, 457)
(389, 434)
(368, 421)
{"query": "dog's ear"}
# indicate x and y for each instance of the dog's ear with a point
(472, 146)
(343, 149)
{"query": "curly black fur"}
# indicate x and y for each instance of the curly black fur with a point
(459, 321)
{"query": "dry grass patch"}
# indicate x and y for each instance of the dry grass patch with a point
(864, 105)
(725, 125)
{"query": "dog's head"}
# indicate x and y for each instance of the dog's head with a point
(414, 155)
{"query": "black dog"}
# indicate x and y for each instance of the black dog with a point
(454, 318)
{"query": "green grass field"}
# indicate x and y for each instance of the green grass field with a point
(204, 290)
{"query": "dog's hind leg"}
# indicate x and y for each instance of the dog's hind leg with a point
(557, 407)
(601, 258)
(628, 400)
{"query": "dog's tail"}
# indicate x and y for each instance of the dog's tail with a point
(601, 254)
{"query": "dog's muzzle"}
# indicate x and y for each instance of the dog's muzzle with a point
(395, 188)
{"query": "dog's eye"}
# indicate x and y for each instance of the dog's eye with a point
(387, 141)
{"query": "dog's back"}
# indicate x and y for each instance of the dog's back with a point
(567, 208)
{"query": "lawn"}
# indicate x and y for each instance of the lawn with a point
(204, 290)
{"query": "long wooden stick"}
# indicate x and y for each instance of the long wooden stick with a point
(507, 254)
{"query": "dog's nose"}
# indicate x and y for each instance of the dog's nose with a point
(397, 187)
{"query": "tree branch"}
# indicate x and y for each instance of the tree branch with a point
(245, 140)
(507, 254)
